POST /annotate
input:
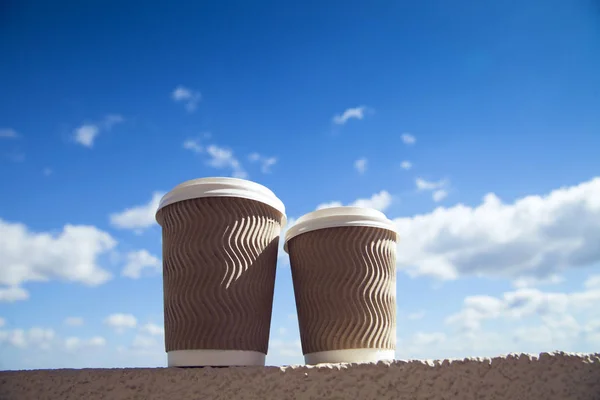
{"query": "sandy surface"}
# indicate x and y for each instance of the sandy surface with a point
(557, 376)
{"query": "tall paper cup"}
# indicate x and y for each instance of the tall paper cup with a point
(220, 241)
(343, 262)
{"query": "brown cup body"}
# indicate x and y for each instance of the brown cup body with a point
(219, 263)
(345, 288)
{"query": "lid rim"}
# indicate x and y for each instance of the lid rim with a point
(339, 217)
(222, 187)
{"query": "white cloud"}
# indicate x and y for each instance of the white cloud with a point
(407, 138)
(406, 165)
(15, 337)
(2, 322)
(439, 195)
(120, 321)
(534, 237)
(350, 113)
(525, 282)
(72, 343)
(75, 343)
(557, 313)
(152, 329)
(11, 294)
(593, 282)
(140, 260)
(111, 120)
(524, 320)
(40, 337)
(47, 171)
(138, 218)
(221, 157)
(187, 96)
(265, 162)
(423, 184)
(97, 341)
(70, 255)
(74, 321)
(361, 165)
(193, 145)
(379, 201)
(8, 133)
(86, 134)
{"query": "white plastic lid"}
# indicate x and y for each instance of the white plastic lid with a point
(339, 217)
(223, 187)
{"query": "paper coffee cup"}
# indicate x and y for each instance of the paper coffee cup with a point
(343, 262)
(220, 242)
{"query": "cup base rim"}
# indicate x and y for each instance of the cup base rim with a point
(349, 356)
(214, 358)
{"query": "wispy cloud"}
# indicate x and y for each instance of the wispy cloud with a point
(8, 133)
(193, 145)
(11, 294)
(265, 162)
(47, 171)
(74, 343)
(74, 321)
(120, 321)
(219, 157)
(350, 113)
(190, 98)
(111, 120)
(439, 195)
(407, 138)
(406, 165)
(361, 165)
(438, 188)
(152, 329)
(87, 133)
(423, 184)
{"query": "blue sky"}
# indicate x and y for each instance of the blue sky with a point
(473, 125)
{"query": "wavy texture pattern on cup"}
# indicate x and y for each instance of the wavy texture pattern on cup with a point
(345, 288)
(219, 262)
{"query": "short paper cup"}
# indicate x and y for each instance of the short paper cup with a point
(343, 262)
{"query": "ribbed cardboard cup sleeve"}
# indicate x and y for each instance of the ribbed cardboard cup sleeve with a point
(345, 288)
(219, 264)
